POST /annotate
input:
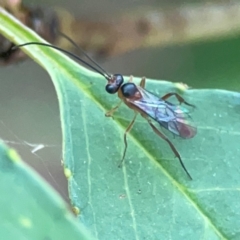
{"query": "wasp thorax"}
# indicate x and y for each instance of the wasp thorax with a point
(129, 90)
(114, 83)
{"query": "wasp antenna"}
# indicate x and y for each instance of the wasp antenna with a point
(64, 51)
(82, 51)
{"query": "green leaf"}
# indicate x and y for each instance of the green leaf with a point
(29, 208)
(150, 197)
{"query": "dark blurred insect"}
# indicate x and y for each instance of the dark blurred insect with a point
(42, 21)
(174, 118)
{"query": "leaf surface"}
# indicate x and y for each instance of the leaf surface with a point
(29, 208)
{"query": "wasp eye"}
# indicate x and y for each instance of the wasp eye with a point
(129, 89)
(118, 79)
(111, 88)
(114, 83)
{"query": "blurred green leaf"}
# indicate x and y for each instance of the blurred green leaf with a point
(29, 208)
(208, 64)
(150, 197)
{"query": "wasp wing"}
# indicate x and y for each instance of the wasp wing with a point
(174, 118)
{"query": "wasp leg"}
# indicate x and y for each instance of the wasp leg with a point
(142, 83)
(110, 112)
(171, 146)
(179, 98)
(125, 138)
(130, 78)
